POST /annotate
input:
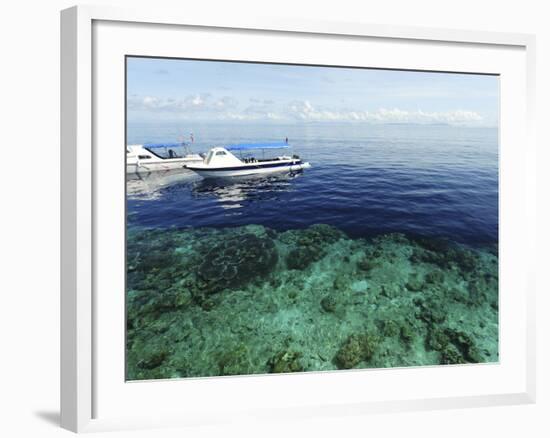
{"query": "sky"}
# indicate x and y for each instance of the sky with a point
(210, 91)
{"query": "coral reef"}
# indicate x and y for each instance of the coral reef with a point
(235, 260)
(249, 300)
(235, 361)
(357, 348)
(309, 245)
(328, 303)
(286, 362)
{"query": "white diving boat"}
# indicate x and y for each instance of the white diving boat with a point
(142, 158)
(221, 162)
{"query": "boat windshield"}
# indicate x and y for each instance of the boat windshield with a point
(209, 157)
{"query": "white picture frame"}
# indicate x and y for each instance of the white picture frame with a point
(84, 372)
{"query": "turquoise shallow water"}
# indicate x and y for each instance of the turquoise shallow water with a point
(391, 261)
(208, 302)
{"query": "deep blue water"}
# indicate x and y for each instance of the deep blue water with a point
(439, 181)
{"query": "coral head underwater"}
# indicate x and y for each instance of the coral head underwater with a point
(251, 300)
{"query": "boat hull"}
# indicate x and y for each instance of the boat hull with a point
(248, 170)
(155, 166)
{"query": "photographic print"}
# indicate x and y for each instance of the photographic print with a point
(296, 218)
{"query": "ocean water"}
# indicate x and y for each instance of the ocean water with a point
(384, 253)
(365, 179)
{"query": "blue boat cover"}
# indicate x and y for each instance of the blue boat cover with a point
(163, 145)
(246, 146)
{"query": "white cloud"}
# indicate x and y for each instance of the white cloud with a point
(261, 101)
(205, 106)
(304, 110)
(189, 104)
